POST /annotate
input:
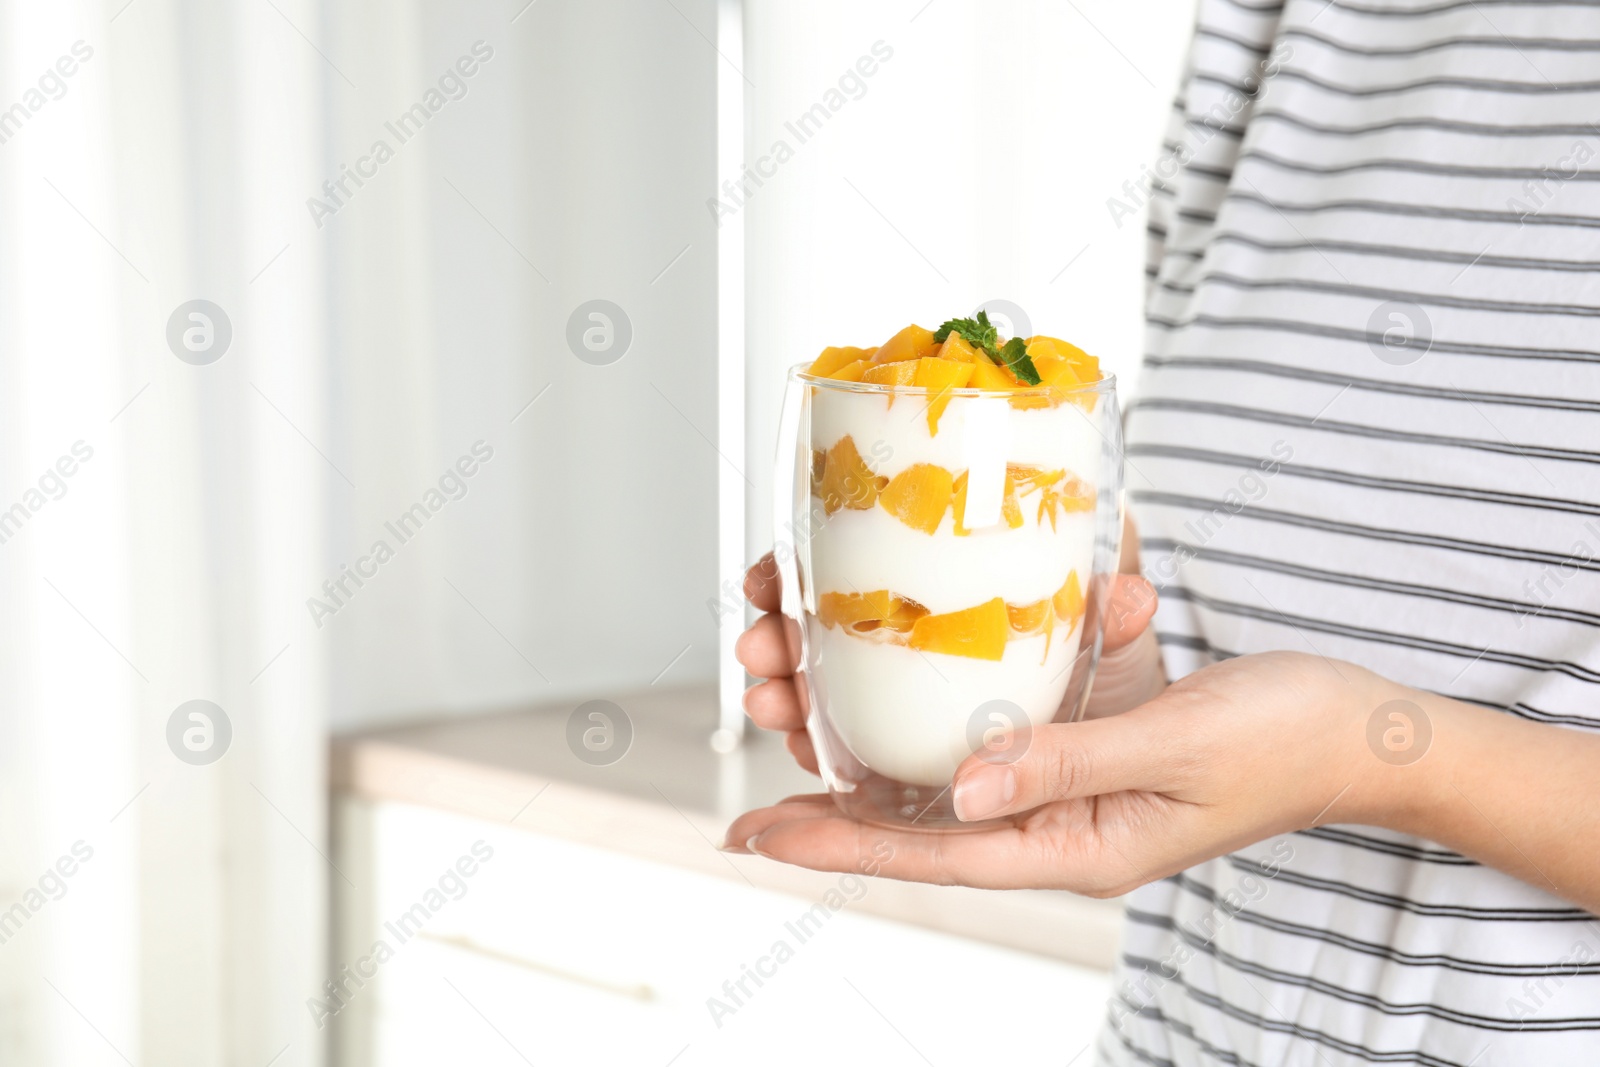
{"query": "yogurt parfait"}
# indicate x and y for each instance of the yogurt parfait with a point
(955, 500)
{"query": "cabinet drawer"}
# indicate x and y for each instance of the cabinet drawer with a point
(565, 953)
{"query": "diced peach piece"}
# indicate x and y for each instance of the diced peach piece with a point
(847, 609)
(919, 496)
(1055, 346)
(1032, 479)
(865, 612)
(901, 373)
(956, 347)
(1034, 400)
(1085, 366)
(1056, 374)
(1010, 507)
(1057, 371)
(987, 374)
(979, 632)
(939, 377)
(913, 342)
(1077, 495)
(1069, 600)
(1041, 345)
(1026, 618)
(832, 359)
(847, 481)
(905, 617)
(958, 505)
(850, 372)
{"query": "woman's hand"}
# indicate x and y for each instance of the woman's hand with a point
(1158, 778)
(1235, 753)
(1230, 755)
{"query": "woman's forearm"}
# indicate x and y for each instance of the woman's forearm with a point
(1519, 796)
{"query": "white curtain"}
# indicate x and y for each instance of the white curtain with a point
(153, 909)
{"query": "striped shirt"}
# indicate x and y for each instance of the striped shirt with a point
(1368, 427)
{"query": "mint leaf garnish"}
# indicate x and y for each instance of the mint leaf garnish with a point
(980, 333)
(1015, 355)
(976, 332)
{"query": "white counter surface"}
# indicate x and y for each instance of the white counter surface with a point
(669, 800)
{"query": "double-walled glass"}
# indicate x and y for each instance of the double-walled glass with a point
(945, 560)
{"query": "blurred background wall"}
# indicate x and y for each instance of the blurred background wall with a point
(366, 342)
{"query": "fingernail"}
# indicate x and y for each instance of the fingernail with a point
(984, 791)
(737, 850)
(753, 845)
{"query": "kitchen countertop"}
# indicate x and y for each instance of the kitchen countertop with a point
(669, 800)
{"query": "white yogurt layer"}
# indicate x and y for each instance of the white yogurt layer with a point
(902, 712)
(907, 714)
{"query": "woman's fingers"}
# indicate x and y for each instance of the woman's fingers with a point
(773, 705)
(799, 745)
(764, 650)
(818, 836)
(1129, 561)
(1130, 671)
(1127, 677)
(1132, 603)
(753, 823)
(1065, 761)
(761, 585)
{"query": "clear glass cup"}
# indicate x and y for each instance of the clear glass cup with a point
(945, 561)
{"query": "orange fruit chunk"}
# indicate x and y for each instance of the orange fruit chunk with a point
(987, 374)
(1026, 618)
(958, 506)
(1072, 493)
(913, 342)
(1040, 345)
(903, 618)
(850, 372)
(919, 496)
(847, 481)
(1085, 366)
(1069, 599)
(1009, 507)
(939, 377)
(1032, 479)
(1063, 368)
(864, 612)
(847, 609)
(832, 359)
(902, 373)
(1035, 618)
(979, 633)
(956, 347)
(1057, 371)
(1056, 375)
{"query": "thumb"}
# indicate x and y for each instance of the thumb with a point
(1061, 761)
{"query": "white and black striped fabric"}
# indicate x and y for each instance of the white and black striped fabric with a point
(1369, 427)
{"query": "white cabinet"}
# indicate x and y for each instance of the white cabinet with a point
(553, 952)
